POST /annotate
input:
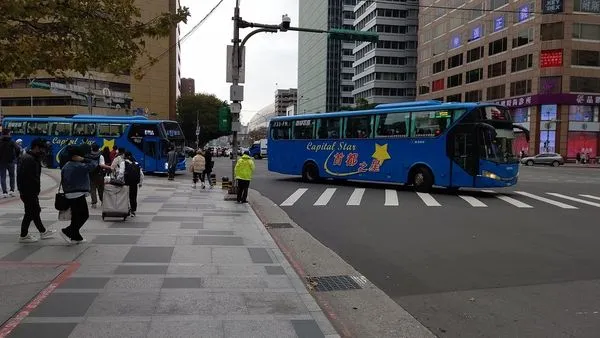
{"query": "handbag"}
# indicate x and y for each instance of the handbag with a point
(61, 203)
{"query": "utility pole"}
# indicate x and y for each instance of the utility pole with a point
(234, 86)
(197, 130)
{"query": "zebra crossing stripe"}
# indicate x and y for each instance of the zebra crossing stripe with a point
(428, 200)
(590, 196)
(325, 197)
(597, 205)
(546, 200)
(356, 196)
(508, 200)
(473, 201)
(391, 198)
(293, 197)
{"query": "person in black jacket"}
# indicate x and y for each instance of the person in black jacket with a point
(208, 167)
(9, 152)
(29, 170)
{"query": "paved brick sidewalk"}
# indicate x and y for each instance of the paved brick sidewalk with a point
(190, 265)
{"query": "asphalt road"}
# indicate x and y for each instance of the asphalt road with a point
(519, 262)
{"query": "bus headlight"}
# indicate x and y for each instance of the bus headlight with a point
(490, 174)
(167, 166)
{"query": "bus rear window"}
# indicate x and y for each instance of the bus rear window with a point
(110, 130)
(17, 128)
(37, 128)
(84, 129)
(60, 129)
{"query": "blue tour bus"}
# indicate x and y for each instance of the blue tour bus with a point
(148, 140)
(423, 143)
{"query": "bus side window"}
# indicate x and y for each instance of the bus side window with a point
(393, 125)
(329, 128)
(429, 123)
(109, 130)
(60, 129)
(304, 129)
(280, 133)
(358, 127)
(17, 128)
(37, 128)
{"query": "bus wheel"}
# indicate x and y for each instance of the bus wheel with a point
(310, 172)
(422, 179)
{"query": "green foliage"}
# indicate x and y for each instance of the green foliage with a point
(361, 104)
(206, 107)
(65, 35)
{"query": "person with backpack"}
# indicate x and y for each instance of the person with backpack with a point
(9, 152)
(97, 175)
(134, 178)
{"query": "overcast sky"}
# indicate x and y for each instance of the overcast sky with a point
(271, 59)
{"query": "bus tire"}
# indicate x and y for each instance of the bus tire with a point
(310, 172)
(421, 179)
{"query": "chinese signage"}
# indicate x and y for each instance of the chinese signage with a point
(437, 85)
(552, 6)
(551, 58)
(541, 99)
(345, 159)
(523, 13)
(498, 23)
(588, 6)
(455, 42)
(476, 33)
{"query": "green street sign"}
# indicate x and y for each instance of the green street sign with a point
(224, 119)
(352, 35)
(39, 85)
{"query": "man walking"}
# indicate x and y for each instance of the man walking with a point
(171, 162)
(9, 152)
(134, 177)
(29, 170)
(208, 167)
(244, 169)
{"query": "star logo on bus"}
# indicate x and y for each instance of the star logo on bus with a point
(381, 153)
(108, 143)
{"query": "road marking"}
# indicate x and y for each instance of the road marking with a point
(590, 196)
(509, 200)
(473, 201)
(546, 200)
(391, 197)
(428, 200)
(325, 196)
(293, 197)
(597, 205)
(356, 196)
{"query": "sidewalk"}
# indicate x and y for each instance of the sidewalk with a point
(190, 265)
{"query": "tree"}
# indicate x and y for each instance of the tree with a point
(258, 133)
(63, 35)
(206, 107)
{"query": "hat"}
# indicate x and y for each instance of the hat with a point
(76, 151)
(19, 141)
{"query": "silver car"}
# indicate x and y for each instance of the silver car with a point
(552, 159)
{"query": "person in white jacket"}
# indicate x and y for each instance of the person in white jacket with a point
(197, 167)
(118, 165)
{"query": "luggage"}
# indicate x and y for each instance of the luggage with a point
(115, 201)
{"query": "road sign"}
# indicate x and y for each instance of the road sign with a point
(235, 107)
(242, 67)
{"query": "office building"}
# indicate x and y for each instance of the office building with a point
(155, 94)
(538, 58)
(188, 86)
(324, 65)
(283, 99)
(385, 71)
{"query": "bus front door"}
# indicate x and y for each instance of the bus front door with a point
(150, 156)
(462, 152)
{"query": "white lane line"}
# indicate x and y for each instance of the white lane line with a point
(391, 197)
(546, 200)
(325, 196)
(294, 197)
(594, 204)
(590, 196)
(509, 200)
(473, 201)
(428, 200)
(356, 196)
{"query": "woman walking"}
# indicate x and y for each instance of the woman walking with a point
(197, 168)
(75, 181)
(208, 167)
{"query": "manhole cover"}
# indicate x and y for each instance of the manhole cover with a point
(279, 225)
(336, 283)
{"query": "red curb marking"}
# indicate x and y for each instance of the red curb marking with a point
(12, 323)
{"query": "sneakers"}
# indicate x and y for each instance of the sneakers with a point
(28, 239)
(132, 213)
(11, 193)
(83, 240)
(65, 237)
(194, 185)
(212, 186)
(5, 195)
(48, 234)
(94, 205)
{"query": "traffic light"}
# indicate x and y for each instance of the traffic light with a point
(224, 119)
(352, 35)
(39, 85)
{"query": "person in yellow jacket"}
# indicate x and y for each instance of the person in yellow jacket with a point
(244, 169)
(197, 167)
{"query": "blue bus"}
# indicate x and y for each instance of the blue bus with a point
(148, 140)
(423, 144)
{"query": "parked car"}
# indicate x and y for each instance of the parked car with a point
(552, 159)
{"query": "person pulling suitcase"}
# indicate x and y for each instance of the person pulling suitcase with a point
(133, 179)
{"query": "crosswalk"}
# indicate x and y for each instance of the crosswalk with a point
(474, 199)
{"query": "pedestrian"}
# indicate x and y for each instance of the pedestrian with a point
(197, 168)
(21, 148)
(75, 180)
(171, 162)
(97, 175)
(134, 177)
(9, 151)
(118, 166)
(106, 154)
(113, 153)
(208, 167)
(29, 171)
(244, 169)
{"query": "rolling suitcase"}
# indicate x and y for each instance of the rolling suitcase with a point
(115, 201)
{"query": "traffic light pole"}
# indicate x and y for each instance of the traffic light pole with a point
(235, 82)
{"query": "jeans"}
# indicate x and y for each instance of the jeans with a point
(242, 190)
(133, 192)
(206, 175)
(96, 185)
(11, 174)
(198, 177)
(171, 172)
(32, 213)
(79, 215)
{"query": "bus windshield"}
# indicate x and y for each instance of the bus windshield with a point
(496, 145)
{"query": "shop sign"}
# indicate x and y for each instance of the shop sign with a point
(538, 99)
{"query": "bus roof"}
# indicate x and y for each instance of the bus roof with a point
(90, 118)
(392, 107)
(409, 104)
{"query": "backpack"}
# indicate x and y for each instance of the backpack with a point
(97, 173)
(132, 173)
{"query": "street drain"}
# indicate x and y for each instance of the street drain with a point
(279, 225)
(336, 283)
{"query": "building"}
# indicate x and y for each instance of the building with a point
(324, 65)
(283, 99)
(188, 86)
(291, 110)
(386, 71)
(262, 117)
(538, 58)
(156, 93)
